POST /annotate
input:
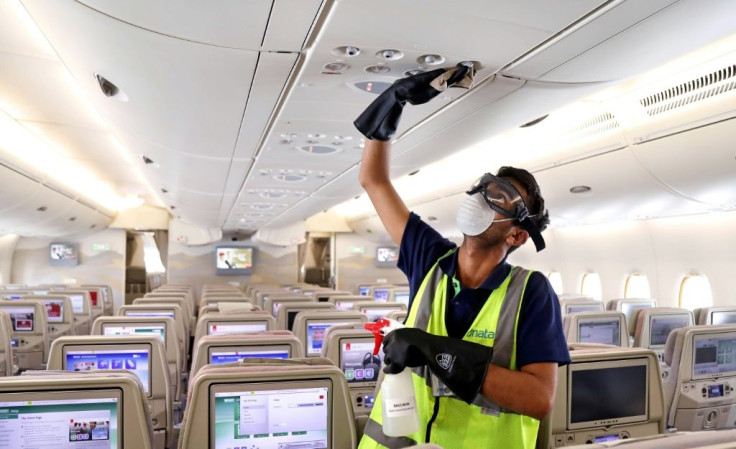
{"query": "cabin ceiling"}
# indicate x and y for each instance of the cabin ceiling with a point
(233, 102)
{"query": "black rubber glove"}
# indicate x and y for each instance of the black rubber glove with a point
(460, 365)
(381, 118)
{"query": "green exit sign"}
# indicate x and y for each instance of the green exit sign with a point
(101, 247)
(357, 250)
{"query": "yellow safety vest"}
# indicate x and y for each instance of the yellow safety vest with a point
(448, 421)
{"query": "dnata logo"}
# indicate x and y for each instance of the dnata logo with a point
(485, 334)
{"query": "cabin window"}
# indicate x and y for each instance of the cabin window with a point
(591, 286)
(555, 279)
(695, 292)
(637, 286)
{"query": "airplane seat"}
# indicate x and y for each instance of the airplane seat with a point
(697, 313)
(165, 310)
(107, 298)
(8, 365)
(30, 336)
(699, 392)
(287, 311)
(143, 355)
(115, 400)
(310, 327)
(190, 314)
(714, 439)
(375, 310)
(233, 323)
(606, 393)
(398, 315)
(718, 315)
(219, 349)
(603, 327)
(653, 327)
(59, 314)
(324, 419)
(574, 305)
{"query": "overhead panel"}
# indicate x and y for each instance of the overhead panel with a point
(289, 24)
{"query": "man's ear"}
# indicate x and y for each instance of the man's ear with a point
(517, 236)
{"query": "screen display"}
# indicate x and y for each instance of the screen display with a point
(224, 328)
(380, 294)
(68, 423)
(606, 332)
(608, 394)
(93, 297)
(387, 256)
(164, 313)
(54, 310)
(21, 317)
(234, 260)
(65, 251)
(723, 317)
(156, 329)
(13, 297)
(364, 291)
(220, 357)
(376, 314)
(358, 362)
(714, 356)
(316, 331)
(344, 305)
(136, 360)
(605, 438)
(77, 302)
(661, 326)
(271, 419)
(575, 308)
(402, 298)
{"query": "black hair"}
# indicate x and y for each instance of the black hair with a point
(534, 200)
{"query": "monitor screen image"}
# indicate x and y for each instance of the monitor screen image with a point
(402, 298)
(606, 332)
(661, 326)
(136, 360)
(35, 421)
(723, 317)
(93, 297)
(316, 331)
(276, 306)
(358, 362)
(629, 308)
(234, 260)
(63, 254)
(387, 256)
(575, 308)
(364, 290)
(375, 314)
(220, 357)
(77, 302)
(13, 297)
(226, 328)
(54, 310)
(21, 317)
(164, 313)
(155, 329)
(714, 356)
(607, 394)
(344, 305)
(380, 294)
(273, 418)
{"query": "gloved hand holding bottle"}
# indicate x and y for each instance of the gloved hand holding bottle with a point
(460, 365)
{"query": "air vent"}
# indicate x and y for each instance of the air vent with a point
(594, 126)
(692, 91)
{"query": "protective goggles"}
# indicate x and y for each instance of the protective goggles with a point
(504, 198)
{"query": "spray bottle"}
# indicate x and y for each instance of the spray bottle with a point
(398, 402)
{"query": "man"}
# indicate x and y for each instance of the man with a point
(484, 339)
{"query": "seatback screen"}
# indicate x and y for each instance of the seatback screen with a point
(164, 313)
(136, 360)
(316, 330)
(402, 297)
(375, 314)
(54, 310)
(220, 357)
(661, 326)
(51, 424)
(226, 328)
(723, 317)
(630, 308)
(380, 294)
(21, 317)
(155, 329)
(606, 332)
(358, 362)
(271, 419)
(610, 395)
(714, 356)
(364, 291)
(344, 305)
(575, 308)
(77, 302)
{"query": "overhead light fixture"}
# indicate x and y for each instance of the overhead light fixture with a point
(289, 178)
(390, 54)
(431, 59)
(580, 189)
(413, 72)
(377, 69)
(318, 149)
(347, 51)
(534, 122)
(335, 67)
(109, 89)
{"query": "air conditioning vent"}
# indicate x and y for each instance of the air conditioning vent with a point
(692, 91)
(594, 126)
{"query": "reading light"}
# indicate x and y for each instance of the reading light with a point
(580, 189)
(431, 59)
(413, 72)
(377, 69)
(346, 51)
(335, 67)
(390, 55)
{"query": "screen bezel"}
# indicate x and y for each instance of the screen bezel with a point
(654, 316)
(161, 310)
(210, 322)
(335, 321)
(248, 348)
(235, 271)
(71, 262)
(598, 320)
(274, 385)
(727, 312)
(588, 366)
(136, 324)
(12, 305)
(73, 395)
(112, 347)
(86, 305)
(344, 340)
(709, 336)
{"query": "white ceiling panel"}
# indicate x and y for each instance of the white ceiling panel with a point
(19, 35)
(289, 23)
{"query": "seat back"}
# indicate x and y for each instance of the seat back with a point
(59, 314)
(398, 315)
(654, 325)
(374, 310)
(181, 302)
(575, 305)
(219, 349)
(367, 289)
(606, 327)
(165, 310)
(30, 336)
(108, 301)
(97, 305)
(81, 310)
(143, 355)
(700, 389)
(233, 323)
(629, 307)
(606, 393)
(253, 385)
(346, 302)
(216, 300)
(287, 312)
(272, 303)
(325, 295)
(718, 315)
(97, 405)
(189, 300)
(310, 327)
(7, 357)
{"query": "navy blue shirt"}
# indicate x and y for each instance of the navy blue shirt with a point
(539, 334)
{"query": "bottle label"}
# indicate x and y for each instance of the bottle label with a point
(396, 407)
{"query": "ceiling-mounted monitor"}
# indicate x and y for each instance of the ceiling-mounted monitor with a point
(63, 254)
(387, 256)
(234, 260)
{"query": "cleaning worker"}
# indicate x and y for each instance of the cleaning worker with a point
(483, 338)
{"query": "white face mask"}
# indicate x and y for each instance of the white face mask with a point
(474, 215)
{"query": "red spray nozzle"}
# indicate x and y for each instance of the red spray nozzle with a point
(376, 329)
